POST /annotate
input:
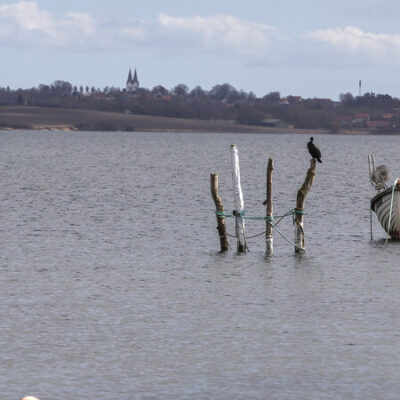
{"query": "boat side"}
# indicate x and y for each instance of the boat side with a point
(381, 205)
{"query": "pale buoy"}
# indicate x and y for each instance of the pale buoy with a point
(29, 398)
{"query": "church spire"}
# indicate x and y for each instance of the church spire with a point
(132, 84)
(130, 76)
(135, 79)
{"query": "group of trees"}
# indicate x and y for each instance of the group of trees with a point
(221, 102)
(218, 103)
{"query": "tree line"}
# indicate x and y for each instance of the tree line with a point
(221, 102)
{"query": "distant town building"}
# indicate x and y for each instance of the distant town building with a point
(132, 84)
(284, 101)
(294, 99)
(360, 117)
(378, 124)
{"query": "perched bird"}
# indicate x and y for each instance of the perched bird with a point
(314, 150)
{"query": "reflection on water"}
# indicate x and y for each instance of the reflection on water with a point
(113, 287)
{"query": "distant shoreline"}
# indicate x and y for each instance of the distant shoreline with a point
(66, 119)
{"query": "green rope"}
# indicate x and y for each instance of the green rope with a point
(223, 214)
(268, 219)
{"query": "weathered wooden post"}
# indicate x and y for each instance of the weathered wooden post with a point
(270, 209)
(299, 210)
(238, 200)
(219, 207)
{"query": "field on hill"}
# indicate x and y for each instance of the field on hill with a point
(36, 118)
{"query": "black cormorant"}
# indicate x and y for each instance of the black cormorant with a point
(314, 150)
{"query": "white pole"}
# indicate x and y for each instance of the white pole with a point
(238, 199)
(270, 208)
(299, 234)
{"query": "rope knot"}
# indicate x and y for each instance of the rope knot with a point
(220, 214)
(237, 213)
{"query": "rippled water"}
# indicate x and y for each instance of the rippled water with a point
(112, 286)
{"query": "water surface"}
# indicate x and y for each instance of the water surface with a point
(112, 286)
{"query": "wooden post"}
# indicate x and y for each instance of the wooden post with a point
(219, 207)
(238, 200)
(300, 205)
(270, 208)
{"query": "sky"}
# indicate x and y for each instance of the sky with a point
(308, 48)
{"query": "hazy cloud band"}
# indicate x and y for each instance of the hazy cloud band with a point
(26, 23)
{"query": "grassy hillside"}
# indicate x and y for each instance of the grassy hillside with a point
(25, 117)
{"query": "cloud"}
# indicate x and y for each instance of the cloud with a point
(27, 16)
(353, 42)
(25, 22)
(221, 32)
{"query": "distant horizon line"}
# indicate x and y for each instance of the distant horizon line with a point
(121, 88)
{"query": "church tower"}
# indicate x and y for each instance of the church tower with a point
(132, 84)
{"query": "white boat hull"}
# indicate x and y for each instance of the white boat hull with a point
(381, 205)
